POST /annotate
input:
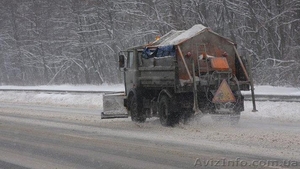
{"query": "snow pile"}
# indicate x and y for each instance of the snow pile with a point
(259, 90)
(58, 99)
(164, 40)
(103, 87)
(283, 111)
(88, 100)
(272, 90)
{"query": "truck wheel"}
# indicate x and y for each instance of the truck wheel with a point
(136, 111)
(165, 115)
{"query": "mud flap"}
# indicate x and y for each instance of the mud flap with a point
(113, 106)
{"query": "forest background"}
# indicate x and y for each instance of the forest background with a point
(44, 42)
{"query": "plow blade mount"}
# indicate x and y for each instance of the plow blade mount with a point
(113, 106)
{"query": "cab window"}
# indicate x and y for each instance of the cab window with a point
(130, 59)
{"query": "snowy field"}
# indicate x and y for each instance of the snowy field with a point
(271, 90)
(283, 111)
(104, 87)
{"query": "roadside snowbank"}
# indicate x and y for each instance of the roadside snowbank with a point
(88, 100)
(275, 90)
(103, 87)
(282, 111)
(266, 90)
(58, 99)
(287, 111)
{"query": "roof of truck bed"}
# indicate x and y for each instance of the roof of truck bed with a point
(176, 37)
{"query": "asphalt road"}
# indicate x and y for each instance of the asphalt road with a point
(41, 137)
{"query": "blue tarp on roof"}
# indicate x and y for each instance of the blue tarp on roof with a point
(159, 51)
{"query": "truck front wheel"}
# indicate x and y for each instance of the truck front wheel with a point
(165, 115)
(136, 111)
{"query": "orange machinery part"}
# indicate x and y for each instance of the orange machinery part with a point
(220, 64)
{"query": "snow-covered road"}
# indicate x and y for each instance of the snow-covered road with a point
(57, 136)
(270, 133)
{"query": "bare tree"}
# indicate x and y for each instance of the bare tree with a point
(77, 41)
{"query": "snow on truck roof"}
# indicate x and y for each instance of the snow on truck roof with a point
(175, 37)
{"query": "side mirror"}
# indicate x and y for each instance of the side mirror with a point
(121, 61)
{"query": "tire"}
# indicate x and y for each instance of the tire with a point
(136, 111)
(165, 115)
(183, 116)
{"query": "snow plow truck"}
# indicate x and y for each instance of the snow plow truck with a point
(181, 74)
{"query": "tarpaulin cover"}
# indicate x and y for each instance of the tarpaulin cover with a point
(159, 51)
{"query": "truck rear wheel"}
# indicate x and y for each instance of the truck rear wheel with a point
(136, 111)
(165, 115)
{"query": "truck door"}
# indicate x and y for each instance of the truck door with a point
(130, 73)
(113, 106)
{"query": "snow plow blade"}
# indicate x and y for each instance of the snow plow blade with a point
(113, 106)
(113, 116)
